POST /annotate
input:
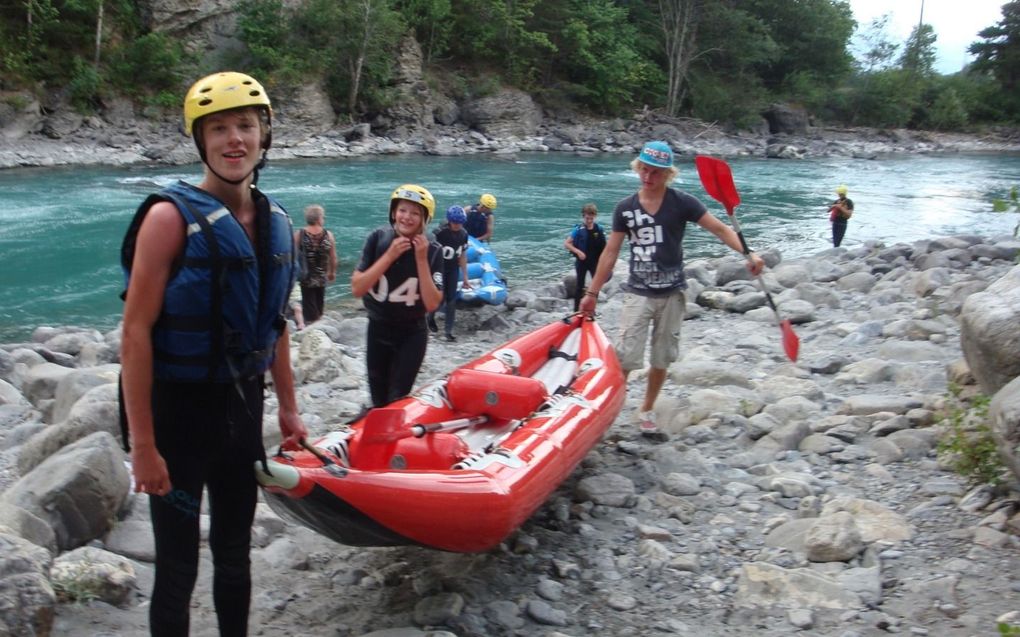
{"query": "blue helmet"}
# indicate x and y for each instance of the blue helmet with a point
(456, 214)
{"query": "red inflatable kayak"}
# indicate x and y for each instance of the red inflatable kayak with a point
(465, 460)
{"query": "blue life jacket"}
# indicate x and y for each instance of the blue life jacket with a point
(223, 305)
(477, 223)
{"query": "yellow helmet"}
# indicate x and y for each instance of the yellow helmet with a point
(222, 92)
(488, 201)
(841, 189)
(417, 194)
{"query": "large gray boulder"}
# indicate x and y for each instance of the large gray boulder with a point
(1004, 415)
(28, 526)
(20, 114)
(508, 113)
(97, 410)
(27, 601)
(990, 332)
(77, 491)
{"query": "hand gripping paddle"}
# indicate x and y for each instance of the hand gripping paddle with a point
(718, 182)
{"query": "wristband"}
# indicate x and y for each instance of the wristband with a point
(591, 293)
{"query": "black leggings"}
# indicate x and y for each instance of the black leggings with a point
(313, 303)
(393, 355)
(581, 268)
(208, 435)
(838, 230)
(449, 304)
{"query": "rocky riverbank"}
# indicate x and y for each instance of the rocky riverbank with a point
(507, 123)
(784, 497)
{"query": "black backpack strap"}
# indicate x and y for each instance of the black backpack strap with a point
(125, 434)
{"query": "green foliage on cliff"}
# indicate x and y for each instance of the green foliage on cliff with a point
(719, 61)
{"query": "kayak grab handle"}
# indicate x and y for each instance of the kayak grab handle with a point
(420, 430)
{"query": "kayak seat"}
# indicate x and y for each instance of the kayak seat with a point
(498, 396)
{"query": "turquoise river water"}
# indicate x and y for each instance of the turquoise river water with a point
(61, 228)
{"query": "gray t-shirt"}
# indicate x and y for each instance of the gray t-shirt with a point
(656, 241)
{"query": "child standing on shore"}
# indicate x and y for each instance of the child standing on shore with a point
(452, 238)
(586, 242)
(394, 278)
(210, 268)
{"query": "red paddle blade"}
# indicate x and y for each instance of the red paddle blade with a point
(791, 342)
(718, 181)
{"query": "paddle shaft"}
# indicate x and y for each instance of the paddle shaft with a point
(747, 255)
(420, 430)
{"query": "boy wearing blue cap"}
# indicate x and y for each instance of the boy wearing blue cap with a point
(654, 219)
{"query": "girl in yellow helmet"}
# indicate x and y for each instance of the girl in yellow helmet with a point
(396, 280)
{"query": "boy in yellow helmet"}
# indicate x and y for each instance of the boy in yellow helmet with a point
(209, 268)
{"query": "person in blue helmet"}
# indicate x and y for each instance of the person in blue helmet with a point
(654, 221)
(453, 238)
(395, 280)
(209, 268)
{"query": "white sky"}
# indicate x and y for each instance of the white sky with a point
(956, 24)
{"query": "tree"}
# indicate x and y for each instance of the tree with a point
(813, 38)
(679, 22)
(595, 59)
(351, 42)
(919, 53)
(432, 24)
(998, 55)
(879, 49)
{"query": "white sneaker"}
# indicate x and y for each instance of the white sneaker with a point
(646, 422)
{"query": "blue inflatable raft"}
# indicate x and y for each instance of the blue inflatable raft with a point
(487, 282)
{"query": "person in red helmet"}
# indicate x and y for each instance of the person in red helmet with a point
(209, 270)
(395, 279)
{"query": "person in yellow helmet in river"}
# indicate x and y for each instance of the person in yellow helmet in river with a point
(481, 218)
(839, 212)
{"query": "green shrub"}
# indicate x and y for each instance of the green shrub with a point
(967, 441)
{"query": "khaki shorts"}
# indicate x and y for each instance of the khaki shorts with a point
(666, 315)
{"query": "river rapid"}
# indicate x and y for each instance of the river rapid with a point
(61, 228)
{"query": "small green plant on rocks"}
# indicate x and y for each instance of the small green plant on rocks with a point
(1009, 205)
(967, 441)
(79, 585)
(1008, 630)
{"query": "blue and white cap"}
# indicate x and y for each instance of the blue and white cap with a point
(657, 154)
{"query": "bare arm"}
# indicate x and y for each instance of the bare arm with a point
(728, 236)
(488, 228)
(606, 264)
(431, 297)
(331, 272)
(464, 272)
(291, 425)
(569, 245)
(160, 240)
